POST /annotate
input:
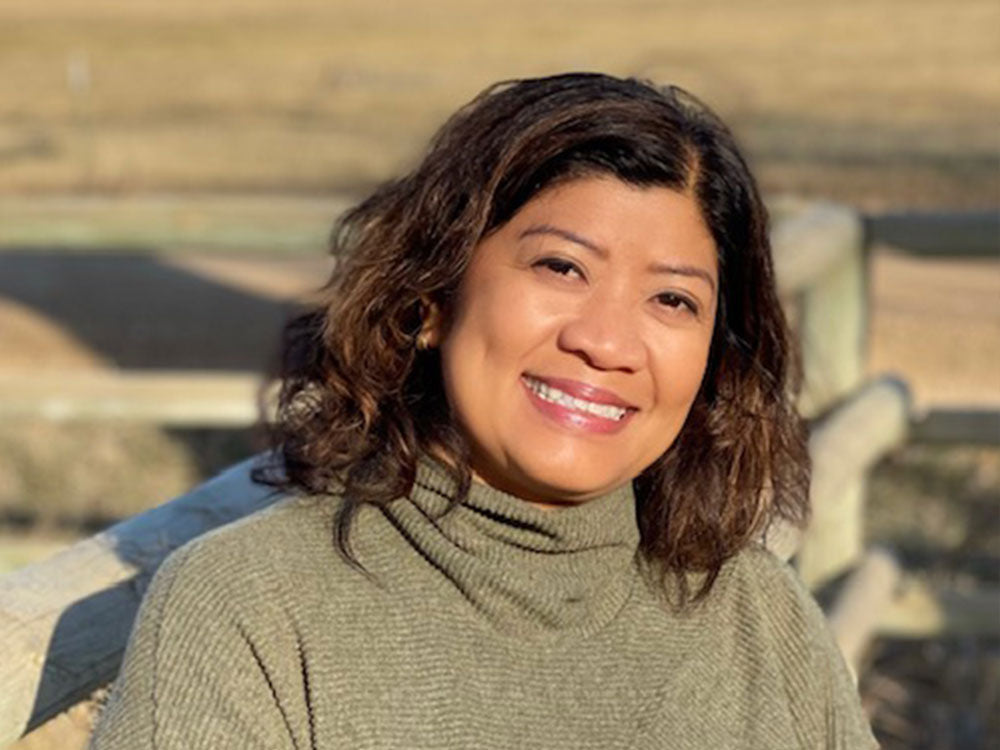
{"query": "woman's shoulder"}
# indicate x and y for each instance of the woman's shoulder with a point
(763, 597)
(291, 540)
(221, 626)
(270, 531)
(755, 569)
(771, 617)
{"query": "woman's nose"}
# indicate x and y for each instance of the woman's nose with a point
(606, 333)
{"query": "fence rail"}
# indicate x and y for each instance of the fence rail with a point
(174, 399)
(969, 234)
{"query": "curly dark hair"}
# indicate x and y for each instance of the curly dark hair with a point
(359, 403)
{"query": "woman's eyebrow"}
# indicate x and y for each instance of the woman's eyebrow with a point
(693, 271)
(566, 235)
(664, 268)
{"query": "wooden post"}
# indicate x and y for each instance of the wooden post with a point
(810, 241)
(820, 262)
(844, 446)
(866, 595)
(819, 259)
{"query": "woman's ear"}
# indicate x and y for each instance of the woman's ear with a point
(430, 324)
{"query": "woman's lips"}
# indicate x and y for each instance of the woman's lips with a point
(575, 417)
(584, 391)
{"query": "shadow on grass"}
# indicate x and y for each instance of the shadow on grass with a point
(139, 313)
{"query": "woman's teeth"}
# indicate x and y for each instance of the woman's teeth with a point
(555, 396)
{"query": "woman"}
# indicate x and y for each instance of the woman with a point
(534, 434)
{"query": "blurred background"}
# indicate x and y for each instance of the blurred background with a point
(169, 173)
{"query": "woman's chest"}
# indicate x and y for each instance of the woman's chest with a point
(439, 682)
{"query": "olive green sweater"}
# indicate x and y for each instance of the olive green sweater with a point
(497, 625)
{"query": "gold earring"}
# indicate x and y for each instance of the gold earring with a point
(430, 314)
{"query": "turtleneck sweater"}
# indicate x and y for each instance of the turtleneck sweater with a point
(492, 624)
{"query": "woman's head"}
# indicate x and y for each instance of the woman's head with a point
(559, 156)
(579, 337)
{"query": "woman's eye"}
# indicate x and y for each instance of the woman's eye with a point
(676, 302)
(559, 266)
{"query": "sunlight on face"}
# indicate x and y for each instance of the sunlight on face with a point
(580, 337)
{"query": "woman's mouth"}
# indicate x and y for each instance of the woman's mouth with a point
(567, 405)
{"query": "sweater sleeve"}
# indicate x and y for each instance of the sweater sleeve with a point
(822, 696)
(192, 675)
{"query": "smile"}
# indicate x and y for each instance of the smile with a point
(553, 395)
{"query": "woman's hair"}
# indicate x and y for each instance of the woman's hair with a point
(359, 402)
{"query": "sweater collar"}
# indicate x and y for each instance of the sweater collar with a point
(527, 570)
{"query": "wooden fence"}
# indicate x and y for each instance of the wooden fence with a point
(64, 622)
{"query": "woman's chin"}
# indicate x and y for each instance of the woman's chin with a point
(556, 485)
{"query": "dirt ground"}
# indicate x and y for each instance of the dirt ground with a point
(936, 322)
(873, 103)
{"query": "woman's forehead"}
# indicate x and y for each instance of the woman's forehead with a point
(603, 215)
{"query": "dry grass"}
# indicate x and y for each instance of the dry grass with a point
(936, 321)
(81, 476)
(939, 509)
(872, 102)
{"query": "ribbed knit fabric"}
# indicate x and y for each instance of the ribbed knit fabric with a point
(496, 625)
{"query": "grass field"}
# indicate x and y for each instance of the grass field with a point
(888, 103)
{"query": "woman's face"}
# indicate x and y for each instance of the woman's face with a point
(580, 336)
